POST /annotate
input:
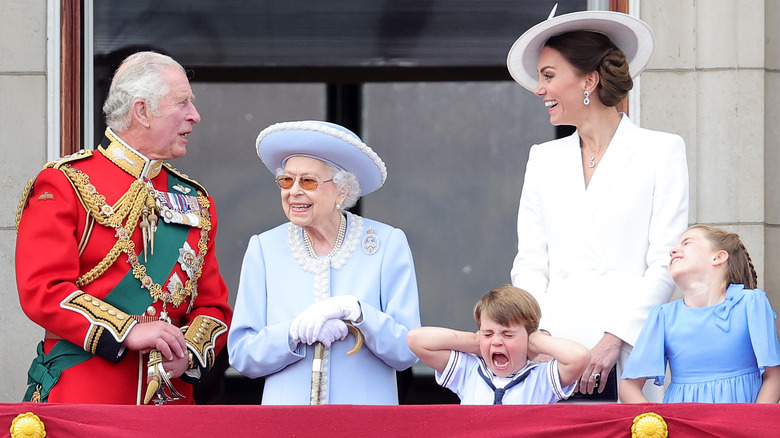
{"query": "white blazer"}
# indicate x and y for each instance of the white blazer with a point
(596, 258)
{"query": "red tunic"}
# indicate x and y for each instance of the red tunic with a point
(48, 264)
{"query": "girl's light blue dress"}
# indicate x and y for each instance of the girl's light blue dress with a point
(716, 354)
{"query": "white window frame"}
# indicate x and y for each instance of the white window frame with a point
(53, 40)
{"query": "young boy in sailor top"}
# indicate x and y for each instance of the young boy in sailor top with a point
(491, 366)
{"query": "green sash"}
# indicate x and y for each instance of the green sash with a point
(46, 369)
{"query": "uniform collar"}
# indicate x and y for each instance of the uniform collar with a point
(129, 159)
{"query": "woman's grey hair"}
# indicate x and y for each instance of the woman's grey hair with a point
(346, 182)
(140, 76)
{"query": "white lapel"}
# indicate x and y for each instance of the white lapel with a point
(621, 148)
(571, 175)
(573, 180)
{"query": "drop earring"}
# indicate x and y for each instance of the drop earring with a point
(586, 101)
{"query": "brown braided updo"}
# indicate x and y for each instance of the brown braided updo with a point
(592, 51)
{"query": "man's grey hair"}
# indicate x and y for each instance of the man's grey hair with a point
(140, 76)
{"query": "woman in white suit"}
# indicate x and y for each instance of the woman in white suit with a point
(601, 209)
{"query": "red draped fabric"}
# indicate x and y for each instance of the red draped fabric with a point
(605, 420)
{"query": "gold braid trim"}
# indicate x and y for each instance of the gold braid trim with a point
(101, 315)
(80, 155)
(130, 206)
(187, 178)
(94, 337)
(23, 201)
(200, 337)
(203, 248)
(95, 203)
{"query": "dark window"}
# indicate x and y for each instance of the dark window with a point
(424, 83)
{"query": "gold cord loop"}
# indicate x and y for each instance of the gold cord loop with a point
(129, 210)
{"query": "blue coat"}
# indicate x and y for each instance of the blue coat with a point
(274, 288)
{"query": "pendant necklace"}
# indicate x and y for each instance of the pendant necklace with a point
(592, 159)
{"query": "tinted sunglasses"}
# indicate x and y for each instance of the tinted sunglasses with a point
(307, 182)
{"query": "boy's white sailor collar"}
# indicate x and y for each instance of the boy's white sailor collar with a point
(129, 159)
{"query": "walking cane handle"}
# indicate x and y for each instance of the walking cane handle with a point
(358, 337)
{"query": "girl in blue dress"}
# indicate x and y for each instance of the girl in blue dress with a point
(719, 340)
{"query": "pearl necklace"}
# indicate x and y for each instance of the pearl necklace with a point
(336, 246)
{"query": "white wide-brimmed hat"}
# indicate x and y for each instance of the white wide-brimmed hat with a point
(630, 34)
(328, 142)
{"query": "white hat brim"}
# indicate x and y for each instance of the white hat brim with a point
(324, 141)
(630, 34)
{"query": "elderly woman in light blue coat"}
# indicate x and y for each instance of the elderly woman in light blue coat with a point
(304, 281)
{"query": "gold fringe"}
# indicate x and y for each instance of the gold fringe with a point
(36, 396)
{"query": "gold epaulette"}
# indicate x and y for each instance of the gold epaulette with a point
(80, 155)
(56, 164)
(184, 176)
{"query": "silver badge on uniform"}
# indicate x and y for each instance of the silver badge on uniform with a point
(188, 259)
(175, 285)
(370, 242)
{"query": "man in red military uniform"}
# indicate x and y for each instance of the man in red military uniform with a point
(115, 254)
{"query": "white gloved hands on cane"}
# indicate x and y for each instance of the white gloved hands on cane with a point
(308, 326)
(333, 330)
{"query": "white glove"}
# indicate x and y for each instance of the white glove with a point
(333, 330)
(306, 326)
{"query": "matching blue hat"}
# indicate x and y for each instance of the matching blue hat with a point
(329, 142)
